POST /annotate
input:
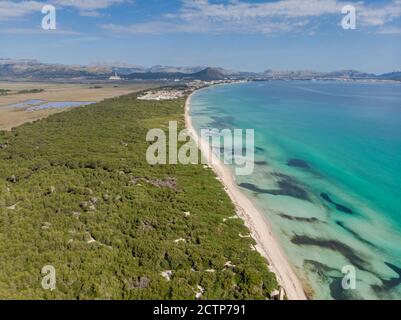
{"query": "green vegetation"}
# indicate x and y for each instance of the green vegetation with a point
(77, 193)
(4, 92)
(30, 91)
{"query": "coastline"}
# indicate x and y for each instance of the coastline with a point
(261, 231)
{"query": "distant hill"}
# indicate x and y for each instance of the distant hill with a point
(170, 69)
(31, 69)
(124, 70)
(350, 74)
(310, 74)
(208, 74)
(298, 74)
(35, 70)
(128, 70)
(155, 75)
(121, 68)
(391, 76)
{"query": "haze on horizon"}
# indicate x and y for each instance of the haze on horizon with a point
(246, 35)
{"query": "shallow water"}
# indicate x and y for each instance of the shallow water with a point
(327, 175)
(25, 104)
(33, 105)
(59, 105)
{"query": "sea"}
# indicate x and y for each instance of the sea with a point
(327, 176)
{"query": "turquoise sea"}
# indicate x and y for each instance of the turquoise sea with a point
(327, 175)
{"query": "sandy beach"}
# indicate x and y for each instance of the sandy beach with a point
(255, 220)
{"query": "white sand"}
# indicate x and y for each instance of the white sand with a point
(255, 220)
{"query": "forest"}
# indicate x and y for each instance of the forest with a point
(77, 193)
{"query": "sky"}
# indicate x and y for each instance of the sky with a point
(246, 35)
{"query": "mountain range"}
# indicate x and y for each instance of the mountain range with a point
(35, 70)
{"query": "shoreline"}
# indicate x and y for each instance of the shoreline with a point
(260, 229)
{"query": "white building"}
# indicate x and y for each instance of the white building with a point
(115, 77)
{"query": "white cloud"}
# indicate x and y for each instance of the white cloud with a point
(234, 16)
(193, 9)
(389, 30)
(10, 9)
(152, 27)
(379, 16)
(290, 10)
(89, 8)
(202, 26)
(202, 16)
(87, 4)
(13, 9)
(25, 31)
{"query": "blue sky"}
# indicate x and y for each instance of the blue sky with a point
(249, 35)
